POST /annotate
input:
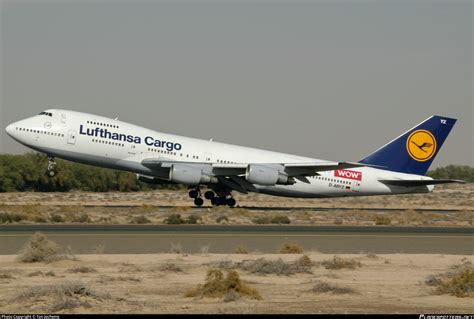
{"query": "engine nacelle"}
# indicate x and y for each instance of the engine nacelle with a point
(185, 174)
(266, 175)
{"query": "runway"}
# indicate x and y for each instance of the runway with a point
(145, 239)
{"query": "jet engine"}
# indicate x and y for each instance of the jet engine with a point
(186, 174)
(267, 175)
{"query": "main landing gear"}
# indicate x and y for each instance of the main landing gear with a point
(51, 172)
(218, 198)
(196, 194)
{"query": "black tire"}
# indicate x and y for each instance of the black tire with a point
(231, 202)
(193, 193)
(198, 201)
(215, 201)
(209, 195)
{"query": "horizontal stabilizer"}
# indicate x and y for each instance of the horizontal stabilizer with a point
(417, 182)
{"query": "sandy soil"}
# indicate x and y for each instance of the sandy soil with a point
(135, 284)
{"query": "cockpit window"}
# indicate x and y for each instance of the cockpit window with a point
(46, 113)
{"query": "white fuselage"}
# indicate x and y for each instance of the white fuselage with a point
(105, 142)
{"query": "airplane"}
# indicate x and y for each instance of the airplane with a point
(398, 167)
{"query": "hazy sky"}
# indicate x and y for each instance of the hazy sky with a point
(327, 79)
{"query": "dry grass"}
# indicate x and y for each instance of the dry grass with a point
(341, 263)
(216, 286)
(291, 248)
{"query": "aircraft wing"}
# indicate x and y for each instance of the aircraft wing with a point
(232, 175)
(291, 169)
(414, 183)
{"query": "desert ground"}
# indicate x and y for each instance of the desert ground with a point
(279, 283)
(394, 283)
(457, 201)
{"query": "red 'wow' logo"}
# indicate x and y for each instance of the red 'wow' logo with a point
(344, 173)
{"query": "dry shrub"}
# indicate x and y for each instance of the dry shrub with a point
(35, 273)
(6, 275)
(56, 218)
(324, 287)
(204, 249)
(8, 218)
(68, 303)
(341, 263)
(264, 266)
(222, 219)
(176, 248)
(172, 267)
(39, 249)
(291, 249)
(241, 250)
(458, 281)
(382, 220)
(216, 286)
(231, 295)
(69, 295)
(279, 219)
(67, 288)
(223, 264)
(142, 219)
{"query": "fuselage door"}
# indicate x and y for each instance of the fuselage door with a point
(208, 157)
(71, 137)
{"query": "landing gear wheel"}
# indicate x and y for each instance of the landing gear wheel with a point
(198, 201)
(231, 202)
(51, 172)
(215, 201)
(209, 195)
(193, 193)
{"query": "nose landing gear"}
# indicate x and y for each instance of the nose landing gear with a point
(51, 172)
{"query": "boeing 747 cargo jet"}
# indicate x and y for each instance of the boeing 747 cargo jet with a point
(398, 167)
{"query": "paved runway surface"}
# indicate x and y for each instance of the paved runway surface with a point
(137, 239)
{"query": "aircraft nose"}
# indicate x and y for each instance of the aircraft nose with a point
(10, 128)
